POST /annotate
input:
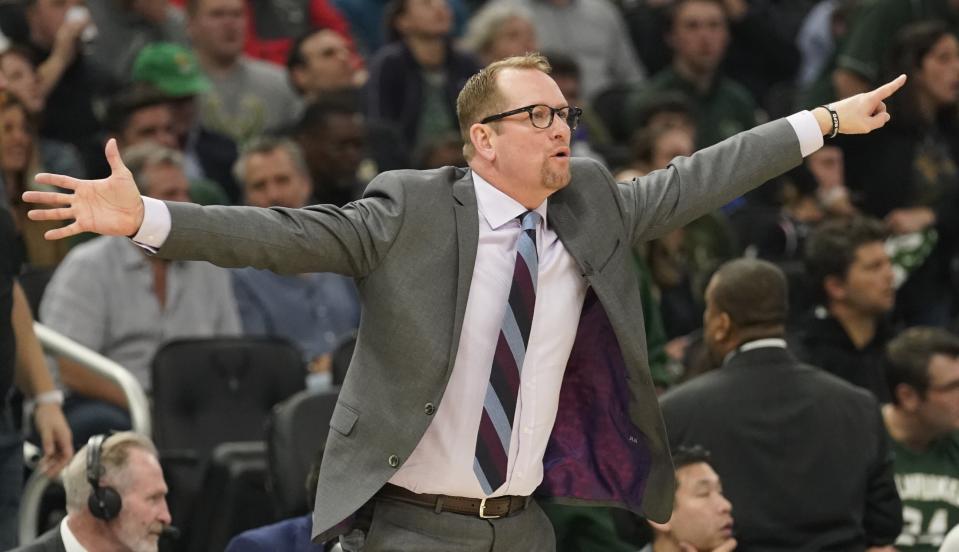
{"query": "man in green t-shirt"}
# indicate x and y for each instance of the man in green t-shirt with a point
(923, 419)
(698, 37)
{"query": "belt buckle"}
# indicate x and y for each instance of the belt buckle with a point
(482, 510)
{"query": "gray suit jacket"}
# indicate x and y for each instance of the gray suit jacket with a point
(411, 242)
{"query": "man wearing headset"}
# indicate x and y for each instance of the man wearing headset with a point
(116, 499)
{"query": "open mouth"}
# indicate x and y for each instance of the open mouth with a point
(562, 154)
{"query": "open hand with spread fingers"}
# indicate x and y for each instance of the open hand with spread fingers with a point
(111, 206)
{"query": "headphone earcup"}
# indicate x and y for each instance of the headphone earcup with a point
(105, 503)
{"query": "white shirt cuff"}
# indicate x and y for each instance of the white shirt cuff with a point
(807, 130)
(156, 225)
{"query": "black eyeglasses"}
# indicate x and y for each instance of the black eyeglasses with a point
(542, 115)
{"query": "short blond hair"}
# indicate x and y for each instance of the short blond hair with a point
(481, 96)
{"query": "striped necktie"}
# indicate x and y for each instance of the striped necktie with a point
(499, 404)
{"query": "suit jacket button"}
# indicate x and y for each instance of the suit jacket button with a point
(429, 409)
(394, 460)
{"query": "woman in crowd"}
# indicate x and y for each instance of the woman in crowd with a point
(23, 81)
(415, 78)
(21, 157)
(909, 172)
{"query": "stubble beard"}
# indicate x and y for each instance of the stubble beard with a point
(554, 179)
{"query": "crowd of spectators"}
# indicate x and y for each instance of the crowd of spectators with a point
(286, 104)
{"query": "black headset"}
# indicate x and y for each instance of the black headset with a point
(104, 502)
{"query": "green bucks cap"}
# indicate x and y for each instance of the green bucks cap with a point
(171, 68)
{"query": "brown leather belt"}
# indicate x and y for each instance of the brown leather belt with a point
(485, 508)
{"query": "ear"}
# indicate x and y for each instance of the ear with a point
(661, 527)
(908, 397)
(723, 329)
(834, 288)
(399, 23)
(307, 189)
(296, 75)
(483, 139)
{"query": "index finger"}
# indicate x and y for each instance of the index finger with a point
(48, 442)
(58, 180)
(51, 459)
(890, 87)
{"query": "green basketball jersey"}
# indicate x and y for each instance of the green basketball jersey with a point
(928, 484)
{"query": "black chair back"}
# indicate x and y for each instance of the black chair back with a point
(296, 436)
(211, 391)
(216, 390)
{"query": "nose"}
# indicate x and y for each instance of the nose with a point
(21, 135)
(560, 128)
(164, 517)
(725, 506)
(168, 139)
(887, 272)
(275, 196)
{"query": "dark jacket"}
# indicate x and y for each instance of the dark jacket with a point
(217, 154)
(47, 542)
(10, 257)
(395, 90)
(822, 341)
(290, 535)
(803, 456)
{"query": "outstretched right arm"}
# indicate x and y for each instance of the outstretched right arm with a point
(350, 240)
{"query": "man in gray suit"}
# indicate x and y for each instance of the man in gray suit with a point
(459, 403)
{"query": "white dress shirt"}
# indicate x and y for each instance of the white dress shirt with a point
(442, 462)
(70, 542)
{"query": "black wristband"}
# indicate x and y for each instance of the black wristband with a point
(835, 120)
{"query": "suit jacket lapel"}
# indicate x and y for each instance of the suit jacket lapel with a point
(467, 236)
(573, 235)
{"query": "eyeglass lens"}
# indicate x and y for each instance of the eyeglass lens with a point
(542, 116)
